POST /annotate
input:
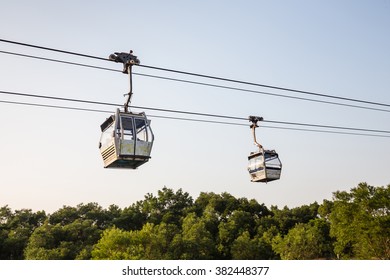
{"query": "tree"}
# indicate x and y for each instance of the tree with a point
(305, 242)
(168, 207)
(15, 230)
(360, 222)
(90, 211)
(117, 244)
(150, 243)
(288, 218)
(247, 248)
(63, 242)
(63, 216)
(223, 204)
(170, 225)
(237, 223)
(156, 241)
(266, 236)
(194, 242)
(5, 217)
(253, 207)
(130, 218)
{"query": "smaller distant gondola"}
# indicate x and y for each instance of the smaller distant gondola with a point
(264, 165)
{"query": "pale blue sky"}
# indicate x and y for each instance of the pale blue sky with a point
(50, 157)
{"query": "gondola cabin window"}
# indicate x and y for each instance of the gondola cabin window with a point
(256, 163)
(107, 135)
(126, 127)
(272, 160)
(141, 128)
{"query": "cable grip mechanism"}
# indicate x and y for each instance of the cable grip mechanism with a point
(254, 120)
(128, 60)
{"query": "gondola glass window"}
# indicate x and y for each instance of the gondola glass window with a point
(141, 129)
(272, 160)
(107, 135)
(126, 127)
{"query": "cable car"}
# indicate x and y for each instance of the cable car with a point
(264, 165)
(126, 140)
(126, 137)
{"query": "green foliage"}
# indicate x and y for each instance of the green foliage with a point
(247, 248)
(63, 242)
(167, 207)
(115, 244)
(360, 223)
(287, 218)
(234, 226)
(91, 211)
(151, 243)
(16, 229)
(194, 242)
(305, 242)
(171, 225)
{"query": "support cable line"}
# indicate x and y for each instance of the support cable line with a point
(267, 86)
(106, 111)
(198, 83)
(52, 49)
(195, 113)
(312, 93)
(59, 61)
(193, 120)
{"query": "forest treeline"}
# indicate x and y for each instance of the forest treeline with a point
(172, 225)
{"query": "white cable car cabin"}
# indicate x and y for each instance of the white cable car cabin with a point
(126, 140)
(264, 166)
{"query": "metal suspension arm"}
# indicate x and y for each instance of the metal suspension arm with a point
(129, 95)
(253, 126)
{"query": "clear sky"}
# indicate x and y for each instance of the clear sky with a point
(50, 157)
